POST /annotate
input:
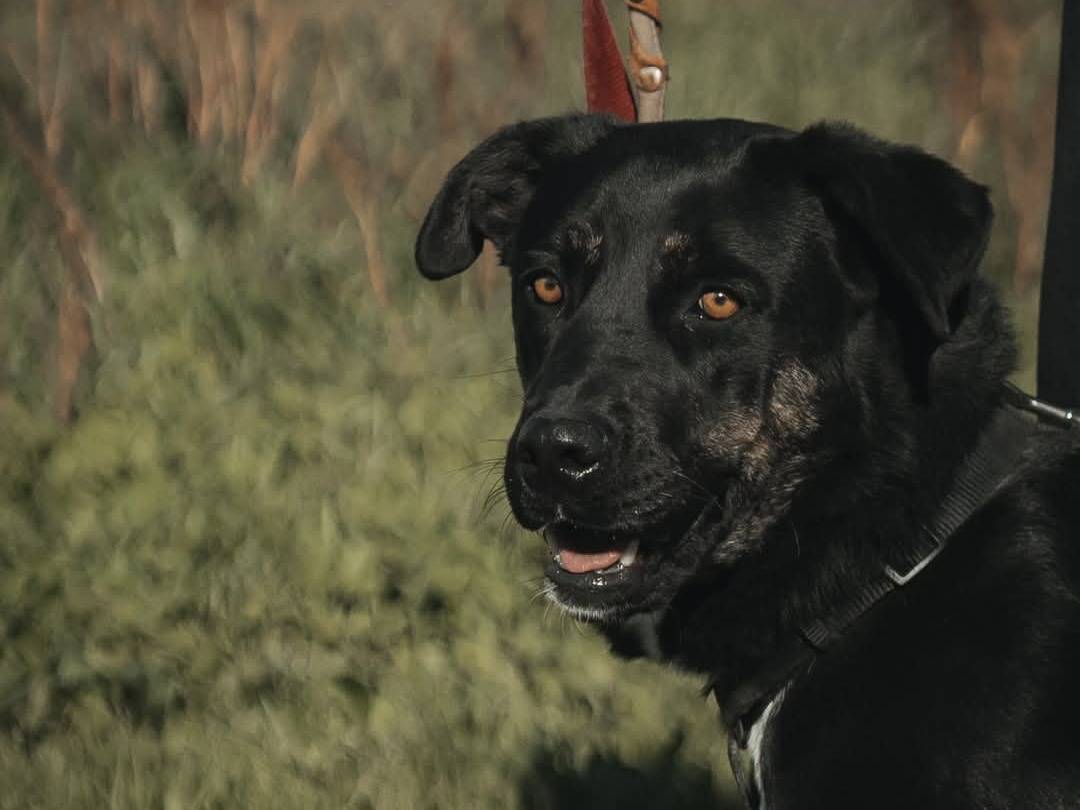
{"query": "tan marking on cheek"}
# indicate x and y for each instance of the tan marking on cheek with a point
(756, 458)
(738, 436)
(732, 432)
(793, 404)
(774, 464)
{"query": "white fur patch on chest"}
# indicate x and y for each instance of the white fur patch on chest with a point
(755, 747)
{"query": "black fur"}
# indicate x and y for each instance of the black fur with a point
(812, 432)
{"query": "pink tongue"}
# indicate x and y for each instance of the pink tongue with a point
(577, 563)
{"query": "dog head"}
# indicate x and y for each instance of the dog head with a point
(709, 317)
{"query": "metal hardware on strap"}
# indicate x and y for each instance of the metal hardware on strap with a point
(1061, 417)
(904, 579)
(648, 68)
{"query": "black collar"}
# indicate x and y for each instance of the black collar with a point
(994, 457)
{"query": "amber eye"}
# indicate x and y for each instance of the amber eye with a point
(717, 306)
(547, 289)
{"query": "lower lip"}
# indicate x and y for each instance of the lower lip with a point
(595, 587)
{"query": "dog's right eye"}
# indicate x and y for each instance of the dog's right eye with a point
(717, 306)
(547, 289)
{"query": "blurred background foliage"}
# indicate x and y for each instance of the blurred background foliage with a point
(252, 548)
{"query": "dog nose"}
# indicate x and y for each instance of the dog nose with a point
(562, 451)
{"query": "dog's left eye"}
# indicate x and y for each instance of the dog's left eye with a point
(547, 289)
(717, 306)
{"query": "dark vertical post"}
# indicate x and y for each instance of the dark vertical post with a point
(1059, 316)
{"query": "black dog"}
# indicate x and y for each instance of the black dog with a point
(764, 388)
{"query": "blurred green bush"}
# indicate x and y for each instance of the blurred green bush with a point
(247, 553)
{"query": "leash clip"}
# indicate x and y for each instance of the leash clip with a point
(1060, 417)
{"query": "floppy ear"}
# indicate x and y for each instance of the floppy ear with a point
(924, 220)
(485, 194)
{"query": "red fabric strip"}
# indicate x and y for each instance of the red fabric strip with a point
(607, 87)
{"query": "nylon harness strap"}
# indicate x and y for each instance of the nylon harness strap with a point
(980, 476)
(1059, 328)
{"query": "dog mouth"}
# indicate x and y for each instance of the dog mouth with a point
(577, 558)
(591, 573)
(597, 574)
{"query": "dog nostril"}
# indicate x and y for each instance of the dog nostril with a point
(576, 459)
(560, 451)
(577, 448)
